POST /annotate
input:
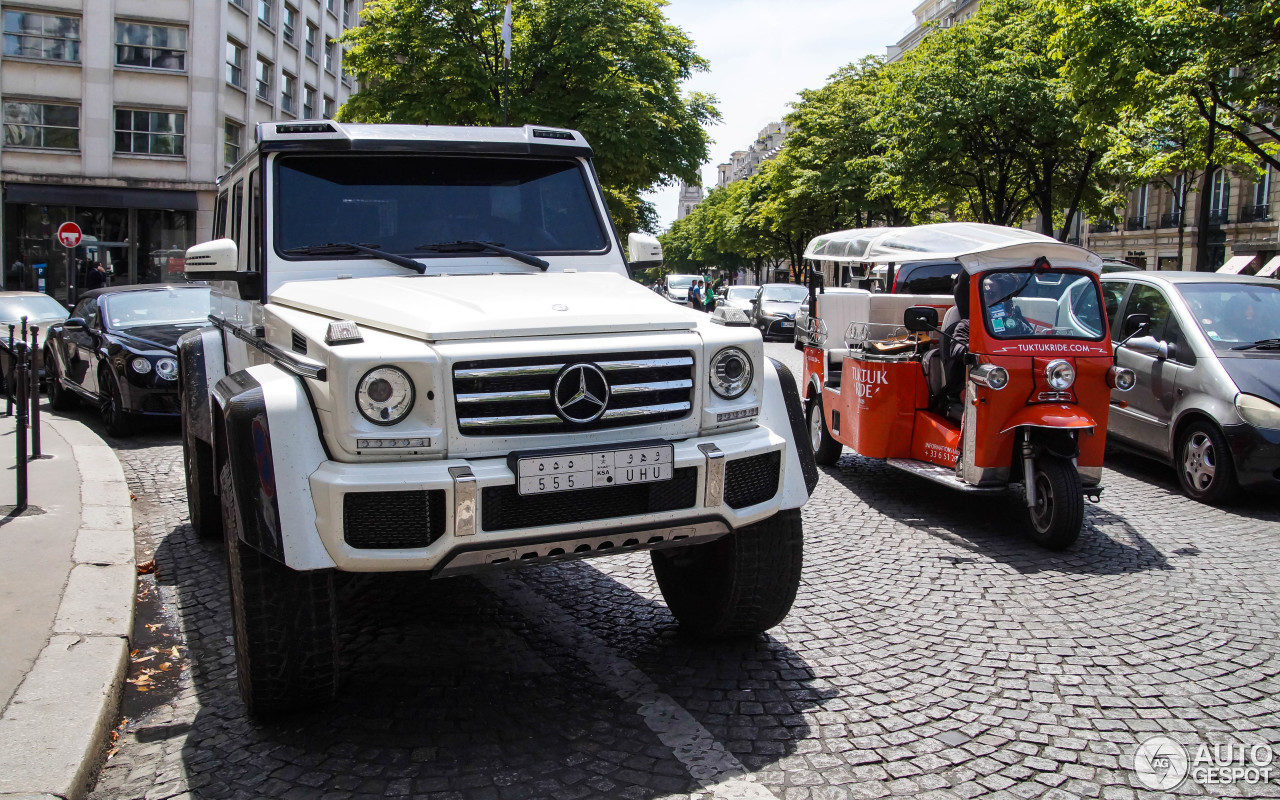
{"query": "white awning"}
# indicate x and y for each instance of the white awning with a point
(1235, 265)
(1270, 269)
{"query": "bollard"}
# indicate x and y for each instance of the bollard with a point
(20, 431)
(9, 390)
(37, 361)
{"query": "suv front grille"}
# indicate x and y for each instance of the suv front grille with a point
(751, 480)
(501, 397)
(502, 508)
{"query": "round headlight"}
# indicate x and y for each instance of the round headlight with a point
(731, 373)
(997, 378)
(141, 365)
(1122, 378)
(1060, 375)
(167, 368)
(385, 395)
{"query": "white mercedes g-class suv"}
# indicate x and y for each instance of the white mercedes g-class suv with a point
(425, 353)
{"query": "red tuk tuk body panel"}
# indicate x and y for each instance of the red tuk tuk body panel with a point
(876, 405)
(1094, 396)
(935, 440)
(814, 364)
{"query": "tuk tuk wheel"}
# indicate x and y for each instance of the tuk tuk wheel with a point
(1058, 515)
(826, 450)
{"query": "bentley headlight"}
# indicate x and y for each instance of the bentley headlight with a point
(167, 369)
(385, 395)
(141, 365)
(731, 373)
(1060, 375)
(1258, 412)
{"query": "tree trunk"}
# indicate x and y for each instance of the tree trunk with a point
(1206, 186)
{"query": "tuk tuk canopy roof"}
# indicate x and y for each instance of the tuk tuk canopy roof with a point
(977, 246)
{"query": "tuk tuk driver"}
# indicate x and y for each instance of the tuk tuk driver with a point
(1006, 320)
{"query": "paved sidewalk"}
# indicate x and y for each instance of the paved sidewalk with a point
(67, 578)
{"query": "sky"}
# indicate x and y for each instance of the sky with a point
(763, 53)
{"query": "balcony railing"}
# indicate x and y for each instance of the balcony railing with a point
(1256, 213)
(1136, 224)
(1219, 216)
(1101, 226)
(1170, 220)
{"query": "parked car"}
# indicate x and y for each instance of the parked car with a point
(118, 351)
(1208, 393)
(40, 310)
(773, 309)
(739, 297)
(676, 287)
(1110, 265)
(916, 277)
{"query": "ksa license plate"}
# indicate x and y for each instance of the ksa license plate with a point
(565, 473)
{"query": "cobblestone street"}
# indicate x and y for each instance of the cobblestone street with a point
(932, 652)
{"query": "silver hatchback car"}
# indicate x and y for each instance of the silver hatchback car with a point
(1208, 368)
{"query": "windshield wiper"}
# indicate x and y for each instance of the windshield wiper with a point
(1040, 264)
(347, 247)
(472, 246)
(1261, 344)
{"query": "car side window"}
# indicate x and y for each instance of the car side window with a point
(255, 217)
(237, 206)
(929, 279)
(1113, 297)
(92, 319)
(220, 216)
(1181, 351)
(1147, 300)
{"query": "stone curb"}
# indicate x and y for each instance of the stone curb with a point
(58, 721)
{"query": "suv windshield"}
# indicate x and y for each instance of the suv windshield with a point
(1234, 314)
(785, 294)
(399, 203)
(1052, 304)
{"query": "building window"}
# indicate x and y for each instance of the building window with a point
(265, 11)
(151, 46)
(309, 102)
(264, 79)
(329, 60)
(313, 33)
(232, 136)
(289, 21)
(238, 4)
(156, 133)
(42, 125)
(1219, 197)
(332, 5)
(46, 36)
(235, 64)
(288, 93)
(1262, 190)
(346, 13)
(328, 107)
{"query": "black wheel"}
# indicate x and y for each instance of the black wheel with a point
(1204, 464)
(119, 422)
(202, 501)
(1058, 515)
(285, 622)
(741, 584)
(60, 399)
(826, 450)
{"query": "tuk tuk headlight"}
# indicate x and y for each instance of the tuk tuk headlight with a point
(385, 395)
(731, 373)
(1258, 412)
(1060, 375)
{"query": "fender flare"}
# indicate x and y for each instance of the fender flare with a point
(201, 364)
(1058, 416)
(799, 429)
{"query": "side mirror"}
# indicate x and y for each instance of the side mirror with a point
(1149, 346)
(72, 323)
(212, 261)
(1137, 323)
(919, 319)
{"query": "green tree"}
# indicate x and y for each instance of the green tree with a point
(611, 69)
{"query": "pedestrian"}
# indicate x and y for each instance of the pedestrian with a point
(17, 275)
(97, 277)
(695, 295)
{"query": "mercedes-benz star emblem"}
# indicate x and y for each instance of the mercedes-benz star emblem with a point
(582, 393)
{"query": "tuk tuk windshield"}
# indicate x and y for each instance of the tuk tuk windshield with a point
(1049, 304)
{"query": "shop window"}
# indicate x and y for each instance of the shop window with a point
(288, 93)
(42, 125)
(51, 37)
(235, 64)
(157, 133)
(264, 79)
(232, 138)
(151, 46)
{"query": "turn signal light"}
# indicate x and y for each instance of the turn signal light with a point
(1121, 378)
(990, 376)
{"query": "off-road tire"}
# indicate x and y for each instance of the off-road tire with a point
(119, 422)
(1056, 520)
(285, 622)
(826, 450)
(1203, 462)
(741, 584)
(60, 399)
(202, 501)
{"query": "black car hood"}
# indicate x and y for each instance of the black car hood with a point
(1258, 375)
(778, 307)
(153, 337)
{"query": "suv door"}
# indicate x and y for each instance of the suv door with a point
(1145, 419)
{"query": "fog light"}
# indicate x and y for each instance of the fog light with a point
(141, 365)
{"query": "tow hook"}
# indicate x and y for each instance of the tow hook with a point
(1093, 495)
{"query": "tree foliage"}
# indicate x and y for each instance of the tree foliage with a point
(611, 69)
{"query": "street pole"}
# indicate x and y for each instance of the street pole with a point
(8, 395)
(20, 430)
(37, 361)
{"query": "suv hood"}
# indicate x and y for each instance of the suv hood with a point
(451, 307)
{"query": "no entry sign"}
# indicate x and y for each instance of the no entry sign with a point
(69, 234)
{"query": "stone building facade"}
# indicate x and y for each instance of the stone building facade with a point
(930, 16)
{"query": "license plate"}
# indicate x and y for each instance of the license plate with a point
(786, 324)
(591, 470)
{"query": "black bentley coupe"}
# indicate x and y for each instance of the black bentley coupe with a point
(118, 350)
